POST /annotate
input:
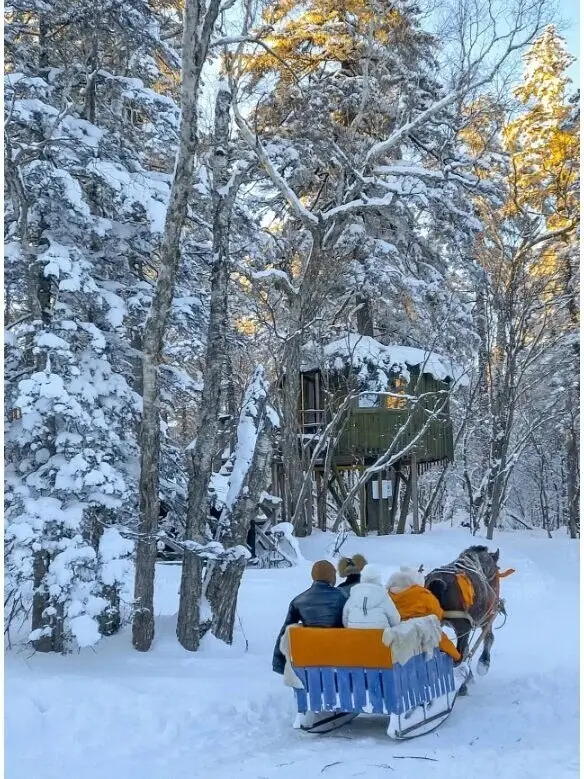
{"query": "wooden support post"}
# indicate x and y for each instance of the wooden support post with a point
(394, 497)
(339, 493)
(363, 507)
(317, 408)
(309, 507)
(401, 525)
(285, 495)
(381, 514)
(320, 500)
(415, 509)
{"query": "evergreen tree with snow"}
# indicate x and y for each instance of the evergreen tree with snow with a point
(91, 127)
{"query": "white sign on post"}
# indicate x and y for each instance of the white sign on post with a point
(386, 489)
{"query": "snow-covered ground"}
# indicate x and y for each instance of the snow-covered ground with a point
(221, 712)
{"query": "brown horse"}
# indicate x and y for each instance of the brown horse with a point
(479, 566)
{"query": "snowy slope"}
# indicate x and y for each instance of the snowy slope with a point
(222, 713)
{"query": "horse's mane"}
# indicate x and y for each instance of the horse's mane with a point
(476, 549)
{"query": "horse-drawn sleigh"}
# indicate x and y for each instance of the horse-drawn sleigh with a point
(340, 673)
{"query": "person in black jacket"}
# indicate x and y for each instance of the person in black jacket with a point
(321, 606)
(350, 570)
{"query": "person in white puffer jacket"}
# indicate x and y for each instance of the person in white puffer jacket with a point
(369, 604)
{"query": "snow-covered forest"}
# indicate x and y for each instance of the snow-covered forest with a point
(208, 204)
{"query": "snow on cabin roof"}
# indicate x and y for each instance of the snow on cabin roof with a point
(362, 351)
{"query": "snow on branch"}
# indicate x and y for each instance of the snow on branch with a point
(248, 429)
(520, 30)
(303, 214)
(419, 171)
(382, 147)
(362, 204)
(279, 277)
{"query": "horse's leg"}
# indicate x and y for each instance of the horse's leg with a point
(462, 629)
(485, 658)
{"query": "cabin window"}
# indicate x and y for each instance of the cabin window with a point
(369, 400)
(310, 402)
(398, 387)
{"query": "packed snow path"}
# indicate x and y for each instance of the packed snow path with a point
(221, 712)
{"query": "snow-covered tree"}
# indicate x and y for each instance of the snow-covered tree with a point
(90, 131)
(527, 306)
(372, 195)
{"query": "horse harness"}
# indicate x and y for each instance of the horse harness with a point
(469, 566)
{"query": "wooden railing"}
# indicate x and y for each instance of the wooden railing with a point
(312, 420)
(369, 432)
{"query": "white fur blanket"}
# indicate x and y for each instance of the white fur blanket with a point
(290, 678)
(409, 638)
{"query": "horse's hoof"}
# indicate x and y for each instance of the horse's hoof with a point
(482, 667)
(463, 690)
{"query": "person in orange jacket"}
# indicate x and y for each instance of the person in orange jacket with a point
(412, 599)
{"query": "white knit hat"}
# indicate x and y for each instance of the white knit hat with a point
(404, 578)
(371, 575)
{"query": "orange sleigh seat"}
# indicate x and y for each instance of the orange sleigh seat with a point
(346, 648)
(338, 648)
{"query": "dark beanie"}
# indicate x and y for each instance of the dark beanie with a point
(323, 571)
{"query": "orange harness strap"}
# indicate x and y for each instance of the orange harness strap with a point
(466, 590)
(503, 574)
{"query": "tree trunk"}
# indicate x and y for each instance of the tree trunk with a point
(495, 488)
(302, 308)
(394, 497)
(290, 443)
(415, 504)
(573, 488)
(198, 27)
(364, 316)
(110, 620)
(224, 576)
(215, 360)
(401, 525)
(221, 592)
(339, 492)
(40, 602)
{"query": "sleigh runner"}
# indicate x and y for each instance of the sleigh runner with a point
(343, 672)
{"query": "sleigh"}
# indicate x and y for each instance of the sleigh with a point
(347, 672)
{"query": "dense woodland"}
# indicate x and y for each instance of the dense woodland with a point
(197, 190)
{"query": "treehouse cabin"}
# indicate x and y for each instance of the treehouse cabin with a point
(362, 403)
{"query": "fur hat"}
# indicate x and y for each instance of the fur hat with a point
(371, 575)
(404, 578)
(351, 565)
(323, 571)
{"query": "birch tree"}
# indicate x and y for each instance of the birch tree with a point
(248, 480)
(199, 23)
(226, 181)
